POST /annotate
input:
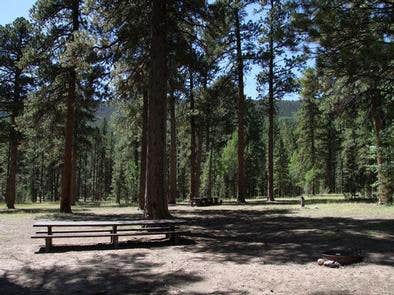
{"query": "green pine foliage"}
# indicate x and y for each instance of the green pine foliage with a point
(336, 138)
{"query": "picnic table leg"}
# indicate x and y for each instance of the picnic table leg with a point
(172, 236)
(48, 241)
(114, 239)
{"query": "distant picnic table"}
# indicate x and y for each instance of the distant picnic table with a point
(112, 229)
(205, 201)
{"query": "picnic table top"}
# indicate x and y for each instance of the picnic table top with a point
(44, 223)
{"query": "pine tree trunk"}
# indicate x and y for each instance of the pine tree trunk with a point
(85, 176)
(193, 145)
(173, 191)
(67, 193)
(330, 159)
(79, 179)
(341, 168)
(241, 116)
(198, 161)
(141, 194)
(226, 187)
(95, 181)
(73, 188)
(271, 112)
(385, 188)
(33, 190)
(111, 161)
(52, 181)
(10, 195)
(329, 179)
(56, 191)
(156, 206)
(313, 140)
(210, 176)
(41, 182)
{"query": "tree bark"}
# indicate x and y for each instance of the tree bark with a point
(79, 179)
(329, 171)
(33, 189)
(67, 193)
(10, 195)
(73, 187)
(57, 177)
(156, 206)
(210, 176)
(198, 161)
(330, 158)
(271, 112)
(173, 191)
(385, 188)
(41, 179)
(85, 176)
(312, 115)
(241, 115)
(193, 144)
(141, 194)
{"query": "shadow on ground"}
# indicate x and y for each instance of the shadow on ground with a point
(296, 201)
(135, 244)
(273, 235)
(111, 274)
(279, 236)
(266, 235)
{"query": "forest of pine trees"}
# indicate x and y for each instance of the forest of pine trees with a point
(143, 102)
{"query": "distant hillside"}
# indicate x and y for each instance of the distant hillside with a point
(287, 108)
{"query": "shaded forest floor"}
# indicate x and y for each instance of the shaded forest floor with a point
(257, 248)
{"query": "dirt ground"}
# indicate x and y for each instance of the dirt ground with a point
(256, 248)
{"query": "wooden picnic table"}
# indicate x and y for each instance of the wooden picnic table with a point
(112, 229)
(205, 201)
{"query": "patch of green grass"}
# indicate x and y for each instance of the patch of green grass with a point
(48, 208)
(327, 205)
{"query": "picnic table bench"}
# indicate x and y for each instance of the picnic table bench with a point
(111, 229)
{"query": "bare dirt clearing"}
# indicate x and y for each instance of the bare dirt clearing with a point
(257, 248)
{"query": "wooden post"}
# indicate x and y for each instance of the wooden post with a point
(114, 239)
(302, 201)
(48, 241)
